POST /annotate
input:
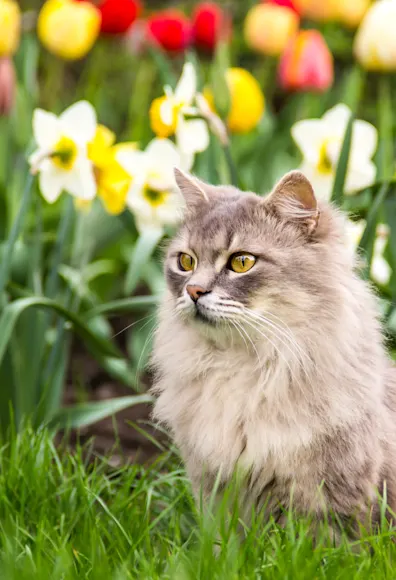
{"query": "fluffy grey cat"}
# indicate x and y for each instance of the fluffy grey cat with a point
(269, 356)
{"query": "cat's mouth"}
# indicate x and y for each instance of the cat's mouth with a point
(202, 314)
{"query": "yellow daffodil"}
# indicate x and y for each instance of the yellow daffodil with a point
(375, 41)
(380, 270)
(153, 197)
(67, 28)
(61, 157)
(168, 115)
(112, 180)
(320, 142)
(10, 27)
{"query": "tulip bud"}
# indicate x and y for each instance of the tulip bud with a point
(7, 86)
(269, 27)
(375, 41)
(210, 24)
(10, 27)
(322, 10)
(247, 100)
(118, 15)
(68, 29)
(351, 13)
(170, 29)
(306, 64)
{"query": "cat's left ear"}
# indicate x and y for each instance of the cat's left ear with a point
(191, 188)
(294, 199)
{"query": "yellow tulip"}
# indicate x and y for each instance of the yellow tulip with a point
(67, 28)
(351, 13)
(269, 27)
(322, 10)
(10, 27)
(375, 41)
(247, 101)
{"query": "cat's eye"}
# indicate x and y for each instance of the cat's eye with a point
(186, 262)
(241, 263)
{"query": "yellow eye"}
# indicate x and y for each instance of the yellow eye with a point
(241, 263)
(186, 262)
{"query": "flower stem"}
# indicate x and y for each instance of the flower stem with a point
(231, 165)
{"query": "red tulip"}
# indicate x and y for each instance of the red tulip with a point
(118, 15)
(210, 24)
(7, 85)
(306, 64)
(171, 29)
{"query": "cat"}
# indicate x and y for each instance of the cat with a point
(269, 357)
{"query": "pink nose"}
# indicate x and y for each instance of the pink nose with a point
(195, 292)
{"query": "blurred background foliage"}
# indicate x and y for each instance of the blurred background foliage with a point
(63, 271)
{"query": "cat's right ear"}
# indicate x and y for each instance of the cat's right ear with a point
(293, 198)
(191, 189)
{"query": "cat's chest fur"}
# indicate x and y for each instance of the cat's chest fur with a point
(232, 413)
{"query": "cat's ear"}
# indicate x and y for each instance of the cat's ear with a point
(191, 188)
(294, 199)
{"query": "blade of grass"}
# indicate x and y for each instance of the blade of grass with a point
(385, 153)
(122, 306)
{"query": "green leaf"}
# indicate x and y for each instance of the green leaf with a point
(385, 154)
(125, 305)
(218, 83)
(342, 166)
(141, 254)
(88, 413)
(366, 244)
(164, 66)
(14, 233)
(13, 311)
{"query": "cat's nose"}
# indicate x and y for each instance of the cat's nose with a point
(196, 292)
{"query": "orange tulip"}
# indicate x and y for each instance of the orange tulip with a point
(269, 27)
(322, 10)
(306, 64)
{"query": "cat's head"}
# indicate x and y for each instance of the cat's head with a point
(239, 256)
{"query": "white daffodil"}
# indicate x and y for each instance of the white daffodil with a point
(380, 270)
(153, 196)
(61, 155)
(320, 142)
(192, 135)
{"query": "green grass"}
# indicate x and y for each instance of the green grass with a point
(63, 516)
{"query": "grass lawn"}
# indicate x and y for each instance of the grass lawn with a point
(62, 516)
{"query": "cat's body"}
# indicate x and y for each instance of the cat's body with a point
(283, 377)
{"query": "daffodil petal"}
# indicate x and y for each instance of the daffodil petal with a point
(360, 176)
(51, 183)
(192, 136)
(80, 182)
(166, 112)
(187, 85)
(133, 162)
(364, 141)
(309, 136)
(337, 119)
(162, 157)
(353, 234)
(79, 121)
(380, 270)
(46, 129)
(321, 183)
